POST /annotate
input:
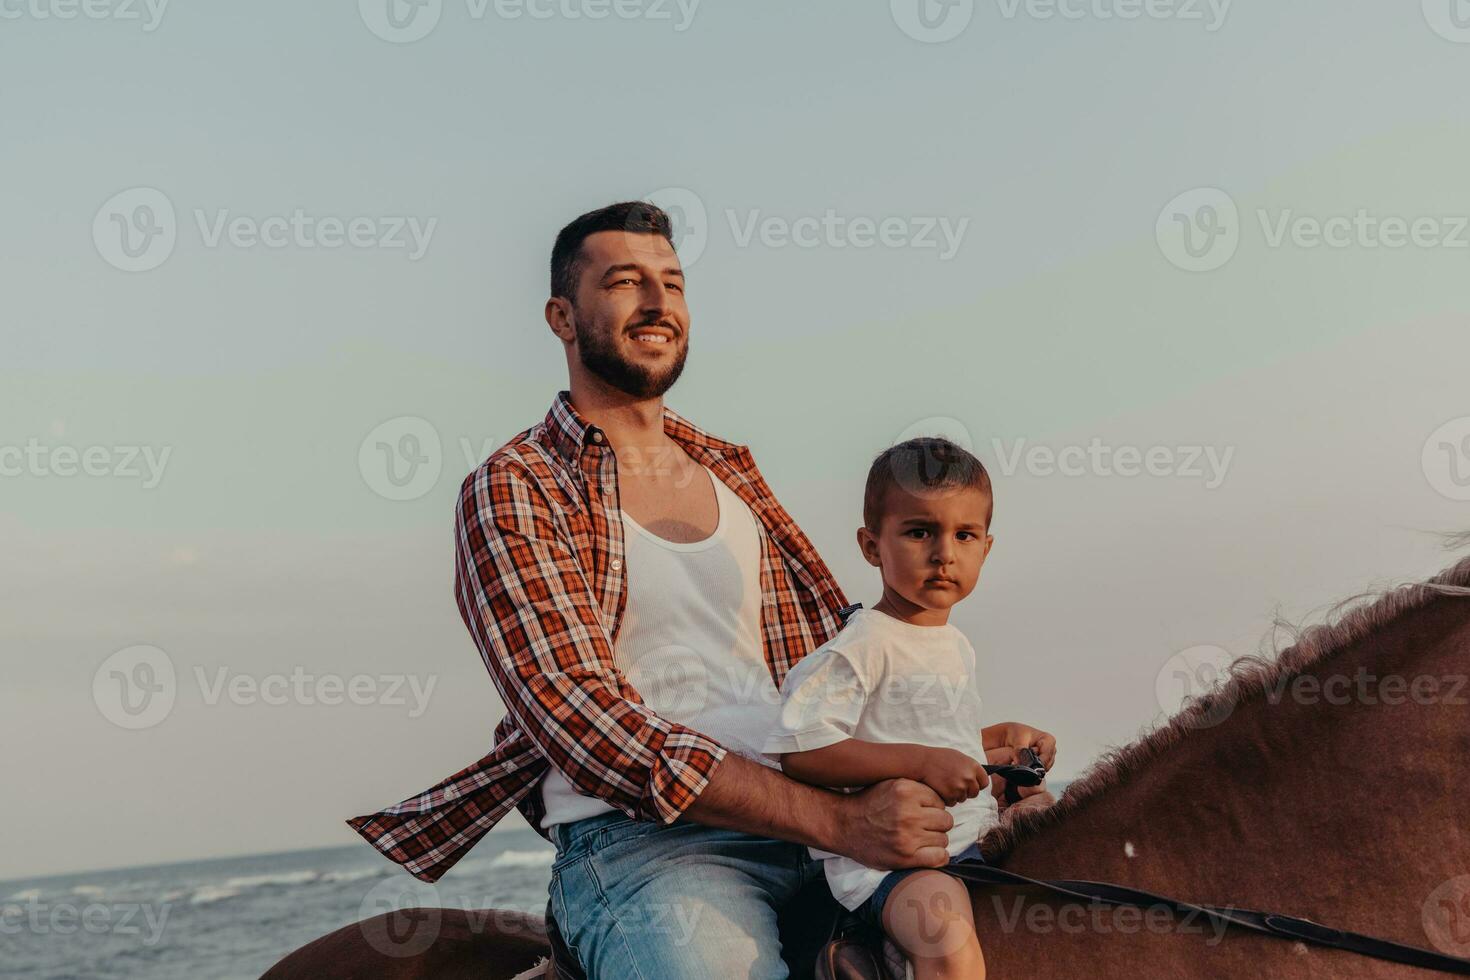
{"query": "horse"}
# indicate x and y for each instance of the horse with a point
(1328, 781)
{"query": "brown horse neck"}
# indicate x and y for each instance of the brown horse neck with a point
(1347, 761)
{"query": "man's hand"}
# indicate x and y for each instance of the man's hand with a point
(897, 823)
(953, 775)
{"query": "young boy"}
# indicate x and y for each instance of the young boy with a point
(893, 695)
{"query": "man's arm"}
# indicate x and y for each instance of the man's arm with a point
(538, 626)
(897, 823)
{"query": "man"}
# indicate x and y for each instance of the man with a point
(638, 595)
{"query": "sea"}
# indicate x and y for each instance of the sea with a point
(233, 918)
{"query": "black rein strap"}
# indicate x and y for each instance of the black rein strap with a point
(1283, 926)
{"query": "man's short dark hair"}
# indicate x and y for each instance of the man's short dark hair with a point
(924, 464)
(636, 217)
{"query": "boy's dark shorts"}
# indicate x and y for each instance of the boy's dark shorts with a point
(871, 911)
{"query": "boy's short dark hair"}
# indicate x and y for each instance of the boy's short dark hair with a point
(927, 463)
(636, 217)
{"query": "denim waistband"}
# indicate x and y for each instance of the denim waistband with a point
(564, 835)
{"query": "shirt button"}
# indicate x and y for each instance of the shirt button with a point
(597, 437)
(607, 490)
(617, 564)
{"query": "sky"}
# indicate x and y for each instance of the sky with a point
(1190, 278)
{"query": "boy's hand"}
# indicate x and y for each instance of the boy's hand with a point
(953, 775)
(1002, 739)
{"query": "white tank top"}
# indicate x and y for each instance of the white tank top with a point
(690, 640)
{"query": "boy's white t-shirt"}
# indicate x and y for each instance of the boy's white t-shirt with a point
(883, 680)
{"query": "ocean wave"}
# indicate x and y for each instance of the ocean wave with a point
(358, 875)
(233, 887)
(524, 859)
(29, 895)
(209, 894)
(285, 878)
(90, 891)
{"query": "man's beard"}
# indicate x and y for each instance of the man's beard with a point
(599, 353)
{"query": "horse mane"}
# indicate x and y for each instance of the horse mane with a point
(1246, 680)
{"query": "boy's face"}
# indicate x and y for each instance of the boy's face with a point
(932, 545)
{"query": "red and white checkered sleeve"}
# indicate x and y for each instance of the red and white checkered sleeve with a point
(529, 605)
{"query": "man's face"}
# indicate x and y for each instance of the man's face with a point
(632, 324)
(931, 545)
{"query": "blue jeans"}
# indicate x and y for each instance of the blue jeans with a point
(636, 900)
(871, 911)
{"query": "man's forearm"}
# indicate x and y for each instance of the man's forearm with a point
(747, 796)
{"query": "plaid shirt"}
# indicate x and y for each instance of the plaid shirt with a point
(541, 585)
